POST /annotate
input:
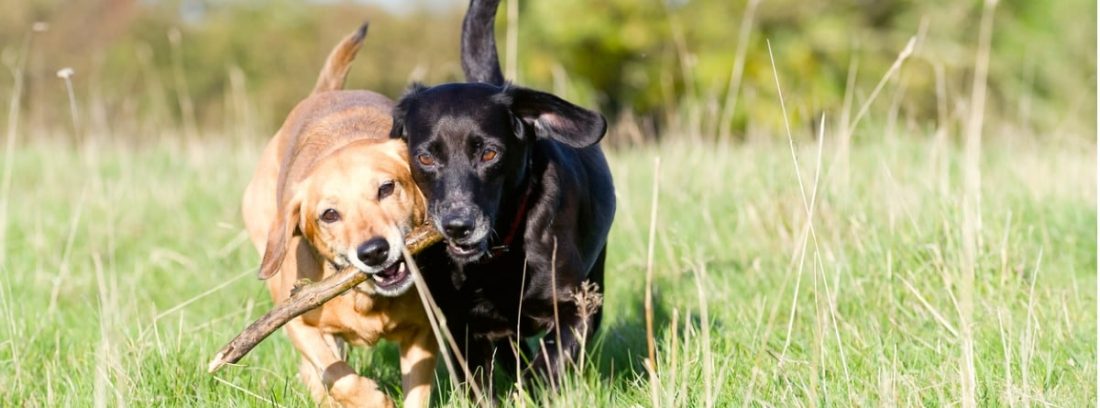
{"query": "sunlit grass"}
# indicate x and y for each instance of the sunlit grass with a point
(112, 254)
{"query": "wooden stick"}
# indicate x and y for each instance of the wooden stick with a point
(305, 298)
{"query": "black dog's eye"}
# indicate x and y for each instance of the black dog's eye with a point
(385, 190)
(330, 216)
(488, 155)
(425, 159)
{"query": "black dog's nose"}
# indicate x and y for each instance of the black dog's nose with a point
(374, 252)
(457, 227)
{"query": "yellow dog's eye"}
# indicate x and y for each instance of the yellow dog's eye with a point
(488, 155)
(425, 159)
(330, 216)
(385, 190)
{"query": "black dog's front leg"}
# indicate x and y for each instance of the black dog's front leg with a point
(563, 343)
(486, 358)
(478, 355)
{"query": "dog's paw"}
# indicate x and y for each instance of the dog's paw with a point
(357, 391)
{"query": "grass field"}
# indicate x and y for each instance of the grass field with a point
(125, 268)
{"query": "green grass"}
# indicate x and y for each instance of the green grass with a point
(125, 268)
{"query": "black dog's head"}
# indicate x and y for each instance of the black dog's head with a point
(469, 148)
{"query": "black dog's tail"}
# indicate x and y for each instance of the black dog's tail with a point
(479, 45)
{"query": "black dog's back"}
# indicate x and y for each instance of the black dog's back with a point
(585, 173)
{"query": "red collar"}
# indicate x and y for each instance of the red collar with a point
(514, 230)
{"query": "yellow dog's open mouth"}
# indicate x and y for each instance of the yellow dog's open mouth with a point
(391, 278)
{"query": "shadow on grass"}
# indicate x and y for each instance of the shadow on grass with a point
(620, 347)
(617, 353)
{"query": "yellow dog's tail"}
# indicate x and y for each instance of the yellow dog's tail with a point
(339, 61)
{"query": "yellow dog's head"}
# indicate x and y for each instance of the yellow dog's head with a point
(354, 208)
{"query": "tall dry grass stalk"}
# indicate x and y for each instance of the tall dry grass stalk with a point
(183, 94)
(831, 296)
(840, 160)
(651, 347)
(1028, 343)
(66, 75)
(109, 371)
(520, 392)
(65, 268)
(557, 317)
(443, 336)
(589, 300)
(733, 89)
(825, 306)
(689, 119)
(154, 89)
(17, 69)
(511, 66)
(1009, 388)
(890, 74)
(674, 356)
(940, 162)
(848, 126)
(802, 190)
(700, 273)
(244, 122)
(971, 211)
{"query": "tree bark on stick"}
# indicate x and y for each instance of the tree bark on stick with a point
(305, 298)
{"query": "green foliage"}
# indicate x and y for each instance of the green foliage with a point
(652, 59)
(622, 51)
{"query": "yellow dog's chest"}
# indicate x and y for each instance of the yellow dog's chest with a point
(363, 319)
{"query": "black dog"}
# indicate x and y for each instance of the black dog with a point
(522, 194)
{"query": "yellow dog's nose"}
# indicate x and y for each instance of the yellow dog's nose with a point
(374, 252)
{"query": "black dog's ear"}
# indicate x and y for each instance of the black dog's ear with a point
(397, 131)
(555, 118)
(518, 126)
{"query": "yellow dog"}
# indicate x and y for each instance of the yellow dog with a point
(333, 191)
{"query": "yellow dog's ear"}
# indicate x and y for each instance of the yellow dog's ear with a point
(420, 204)
(397, 149)
(282, 228)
